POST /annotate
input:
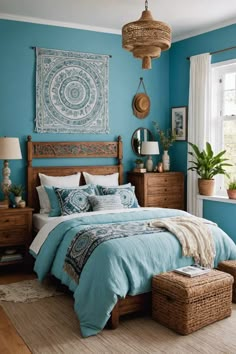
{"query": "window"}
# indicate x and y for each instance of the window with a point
(224, 117)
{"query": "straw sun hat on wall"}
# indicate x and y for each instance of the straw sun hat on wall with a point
(141, 105)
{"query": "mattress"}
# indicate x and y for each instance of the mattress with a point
(39, 220)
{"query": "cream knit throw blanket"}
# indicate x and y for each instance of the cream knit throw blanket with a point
(193, 234)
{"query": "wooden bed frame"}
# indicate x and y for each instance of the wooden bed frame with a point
(52, 150)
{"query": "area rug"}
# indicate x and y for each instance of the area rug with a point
(28, 290)
(50, 326)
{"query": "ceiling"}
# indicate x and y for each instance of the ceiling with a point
(186, 17)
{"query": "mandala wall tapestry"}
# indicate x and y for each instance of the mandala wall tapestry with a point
(71, 92)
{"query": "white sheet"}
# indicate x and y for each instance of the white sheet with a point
(39, 220)
(54, 221)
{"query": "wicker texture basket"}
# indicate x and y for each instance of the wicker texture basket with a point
(229, 267)
(187, 304)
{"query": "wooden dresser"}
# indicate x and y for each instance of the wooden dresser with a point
(15, 235)
(164, 190)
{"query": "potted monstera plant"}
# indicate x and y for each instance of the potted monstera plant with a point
(207, 165)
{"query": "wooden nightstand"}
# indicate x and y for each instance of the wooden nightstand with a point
(163, 190)
(15, 234)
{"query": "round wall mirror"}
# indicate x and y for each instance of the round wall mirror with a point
(140, 135)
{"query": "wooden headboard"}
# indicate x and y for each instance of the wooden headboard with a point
(52, 150)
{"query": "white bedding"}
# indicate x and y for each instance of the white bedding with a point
(39, 220)
(49, 223)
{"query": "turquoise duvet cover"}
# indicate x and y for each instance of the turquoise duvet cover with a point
(120, 266)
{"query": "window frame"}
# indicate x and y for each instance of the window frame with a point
(219, 70)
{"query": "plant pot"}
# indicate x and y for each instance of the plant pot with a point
(140, 165)
(18, 199)
(206, 186)
(231, 193)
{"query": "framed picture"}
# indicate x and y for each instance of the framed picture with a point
(179, 122)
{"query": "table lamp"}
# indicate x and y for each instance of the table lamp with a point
(9, 150)
(149, 148)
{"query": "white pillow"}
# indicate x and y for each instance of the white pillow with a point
(104, 180)
(43, 200)
(55, 181)
(60, 181)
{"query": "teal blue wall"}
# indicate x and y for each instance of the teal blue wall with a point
(17, 88)
(222, 213)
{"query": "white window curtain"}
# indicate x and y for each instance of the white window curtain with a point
(199, 124)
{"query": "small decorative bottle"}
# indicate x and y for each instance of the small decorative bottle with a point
(166, 161)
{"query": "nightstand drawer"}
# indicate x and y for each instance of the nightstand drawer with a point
(12, 237)
(11, 221)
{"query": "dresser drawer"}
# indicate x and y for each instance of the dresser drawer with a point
(168, 199)
(163, 180)
(162, 191)
(12, 237)
(11, 221)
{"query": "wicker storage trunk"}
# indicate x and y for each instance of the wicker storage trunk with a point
(187, 304)
(229, 267)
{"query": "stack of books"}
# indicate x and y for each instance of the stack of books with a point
(140, 170)
(10, 257)
(192, 271)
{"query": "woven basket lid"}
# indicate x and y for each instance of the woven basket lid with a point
(141, 105)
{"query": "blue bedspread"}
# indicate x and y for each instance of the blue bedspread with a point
(120, 266)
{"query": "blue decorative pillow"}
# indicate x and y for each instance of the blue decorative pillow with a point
(105, 202)
(74, 200)
(127, 195)
(55, 209)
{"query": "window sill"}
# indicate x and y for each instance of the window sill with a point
(217, 198)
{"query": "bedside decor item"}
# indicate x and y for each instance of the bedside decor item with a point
(71, 92)
(9, 150)
(139, 163)
(166, 161)
(179, 123)
(17, 190)
(231, 191)
(140, 135)
(166, 140)
(146, 38)
(141, 102)
(149, 148)
(207, 165)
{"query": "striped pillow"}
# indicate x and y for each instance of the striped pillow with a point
(105, 202)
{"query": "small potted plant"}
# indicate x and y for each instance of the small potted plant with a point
(207, 165)
(231, 191)
(139, 163)
(17, 190)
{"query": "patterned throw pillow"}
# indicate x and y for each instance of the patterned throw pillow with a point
(127, 195)
(105, 202)
(74, 200)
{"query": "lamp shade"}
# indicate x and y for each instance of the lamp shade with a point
(10, 149)
(150, 148)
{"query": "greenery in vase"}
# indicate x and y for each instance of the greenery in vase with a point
(16, 189)
(206, 164)
(232, 185)
(138, 161)
(167, 137)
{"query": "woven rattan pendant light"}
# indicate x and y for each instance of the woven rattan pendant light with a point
(146, 38)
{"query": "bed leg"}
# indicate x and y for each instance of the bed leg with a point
(114, 319)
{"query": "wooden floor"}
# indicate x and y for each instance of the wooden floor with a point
(10, 341)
